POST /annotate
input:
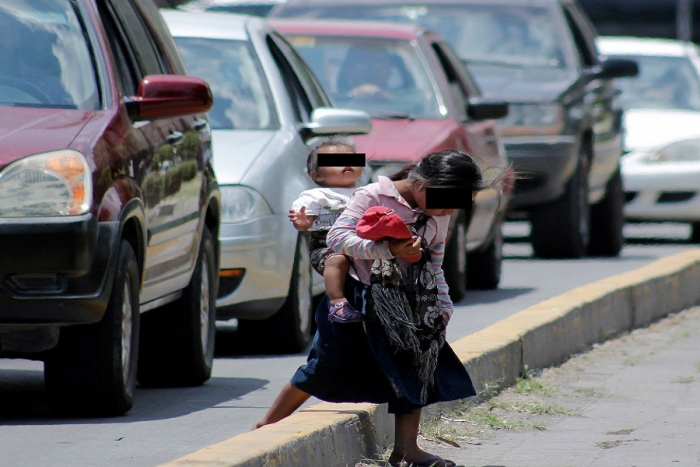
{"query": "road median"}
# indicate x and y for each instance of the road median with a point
(545, 334)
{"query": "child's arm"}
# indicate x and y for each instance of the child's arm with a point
(300, 220)
(437, 253)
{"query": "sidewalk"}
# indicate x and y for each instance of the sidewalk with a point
(631, 401)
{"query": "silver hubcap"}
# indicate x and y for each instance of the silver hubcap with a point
(127, 329)
(204, 305)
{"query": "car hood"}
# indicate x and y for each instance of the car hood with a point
(26, 131)
(402, 140)
(235, 151)
(652, 128)
(522, 84)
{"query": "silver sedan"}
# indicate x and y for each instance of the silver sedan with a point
(269, 111)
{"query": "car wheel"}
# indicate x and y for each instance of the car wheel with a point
(484, 267)
(454, 263)
(290, 329)
(561, 229)
(92, 371)
(608, 220)
(178, 339)
(695, 232)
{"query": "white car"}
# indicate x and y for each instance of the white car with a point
(269, 111)
(661, 167)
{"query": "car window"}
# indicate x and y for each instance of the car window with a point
(242, 98)
(584, 46)
(301, 103)
(127, 70)
(663, 83)
(149, 57)
(46, 57)
(484, 31)
(379, 76)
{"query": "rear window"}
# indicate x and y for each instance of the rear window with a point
(45, 58)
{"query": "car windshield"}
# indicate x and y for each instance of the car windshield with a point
(484, 32)
(242, 99)
(663, 83)
(383, 77)
(45, 59)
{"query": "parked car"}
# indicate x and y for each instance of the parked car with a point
(661, 167)
(429, 102)
(563, 130)
(269, 111)
(243, 7)
(109, 208)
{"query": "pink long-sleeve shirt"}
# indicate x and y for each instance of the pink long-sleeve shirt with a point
(342, 236)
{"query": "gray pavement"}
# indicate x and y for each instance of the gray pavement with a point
(633, 401)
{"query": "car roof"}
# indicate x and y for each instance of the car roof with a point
(212, 25)
(347, 28)
(614, 45)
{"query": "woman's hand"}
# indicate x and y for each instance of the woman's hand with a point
(404, 247)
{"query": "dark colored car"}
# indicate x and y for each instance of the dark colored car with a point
(563, 131)
(427, 102)
(109, 207)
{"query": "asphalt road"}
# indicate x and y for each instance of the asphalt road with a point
(168, 423)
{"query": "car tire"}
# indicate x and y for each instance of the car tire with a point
(177, 342)
(484, 267)
(608, 220)
(561, 229)
(92, 371)
(694, 232)
(290, 329)
(454, 263)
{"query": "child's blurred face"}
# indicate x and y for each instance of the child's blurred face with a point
(340, 177)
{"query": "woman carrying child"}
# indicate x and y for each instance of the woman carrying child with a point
(399, 354)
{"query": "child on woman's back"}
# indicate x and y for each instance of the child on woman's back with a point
(316, 210)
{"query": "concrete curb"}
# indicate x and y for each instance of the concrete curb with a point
(545, 334)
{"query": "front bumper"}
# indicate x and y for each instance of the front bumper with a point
(264, 247)
(54, 271)
(543, 166)
(662, 191)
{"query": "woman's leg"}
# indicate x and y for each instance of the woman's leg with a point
(288, 400)
(406, 439)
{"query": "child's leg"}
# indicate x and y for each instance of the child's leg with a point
(288, 400)
(336, 268)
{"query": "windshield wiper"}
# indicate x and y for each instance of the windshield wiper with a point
(393, 116)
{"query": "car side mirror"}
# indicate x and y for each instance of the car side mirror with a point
(616, 68)
(330, 121)
(481, 108)
(163, 96)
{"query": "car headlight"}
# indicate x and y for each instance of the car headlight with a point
(532, 119)
(687, 150)
(240, 203)
(55, 183)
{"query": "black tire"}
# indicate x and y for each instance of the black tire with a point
(694, 232)
(562, 229)
(484, 267)
(290, 329)
(454, 263)
(92, 371)
(177, 342)
(608, 220)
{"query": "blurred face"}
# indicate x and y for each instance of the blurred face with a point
(339, 177)
(419, 197)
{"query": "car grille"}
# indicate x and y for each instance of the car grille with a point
(36, 284)
(675, 196)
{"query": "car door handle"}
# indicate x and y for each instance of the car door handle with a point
(175, 137)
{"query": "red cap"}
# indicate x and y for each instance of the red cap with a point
(380, 222)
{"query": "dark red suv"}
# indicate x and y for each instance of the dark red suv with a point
(109, 208)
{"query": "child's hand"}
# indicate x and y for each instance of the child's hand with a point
(404, 247)
(300, 220)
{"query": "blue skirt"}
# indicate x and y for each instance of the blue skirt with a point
(353, 362)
